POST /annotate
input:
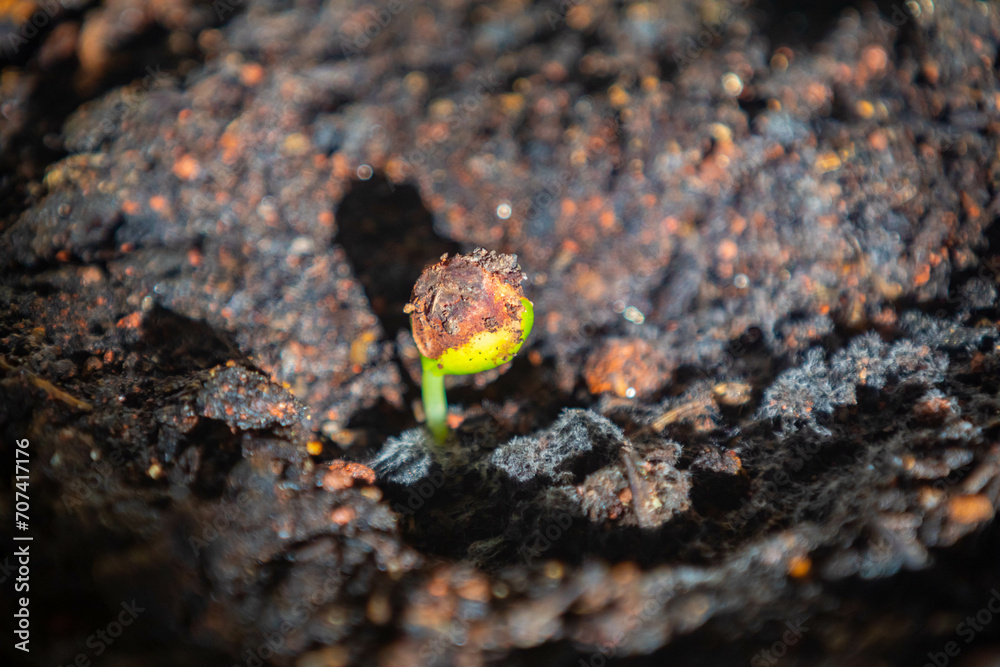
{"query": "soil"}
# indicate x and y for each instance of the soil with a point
(757, 419)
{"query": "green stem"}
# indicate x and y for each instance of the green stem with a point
(435, 401)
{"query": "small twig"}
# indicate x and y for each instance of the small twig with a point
(682, 411)
(50, 389)
(640, 490)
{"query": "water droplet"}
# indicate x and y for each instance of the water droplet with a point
(732, 84)
(634, 315)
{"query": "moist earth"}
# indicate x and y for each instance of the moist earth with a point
(757, 417)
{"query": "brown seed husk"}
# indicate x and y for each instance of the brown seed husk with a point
(464, 295)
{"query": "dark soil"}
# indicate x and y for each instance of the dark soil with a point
(757, 420)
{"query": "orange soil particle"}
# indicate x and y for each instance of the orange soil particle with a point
(970, 509)
(438, 586)
(933, 409)
(476, 588)
(343, 474)
(799, 567)
(158, 203)
(130, 321)
(251, 74)
(628, 367)
(186, 168)
(342, 515)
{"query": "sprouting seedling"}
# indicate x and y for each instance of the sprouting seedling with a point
(468, 314)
